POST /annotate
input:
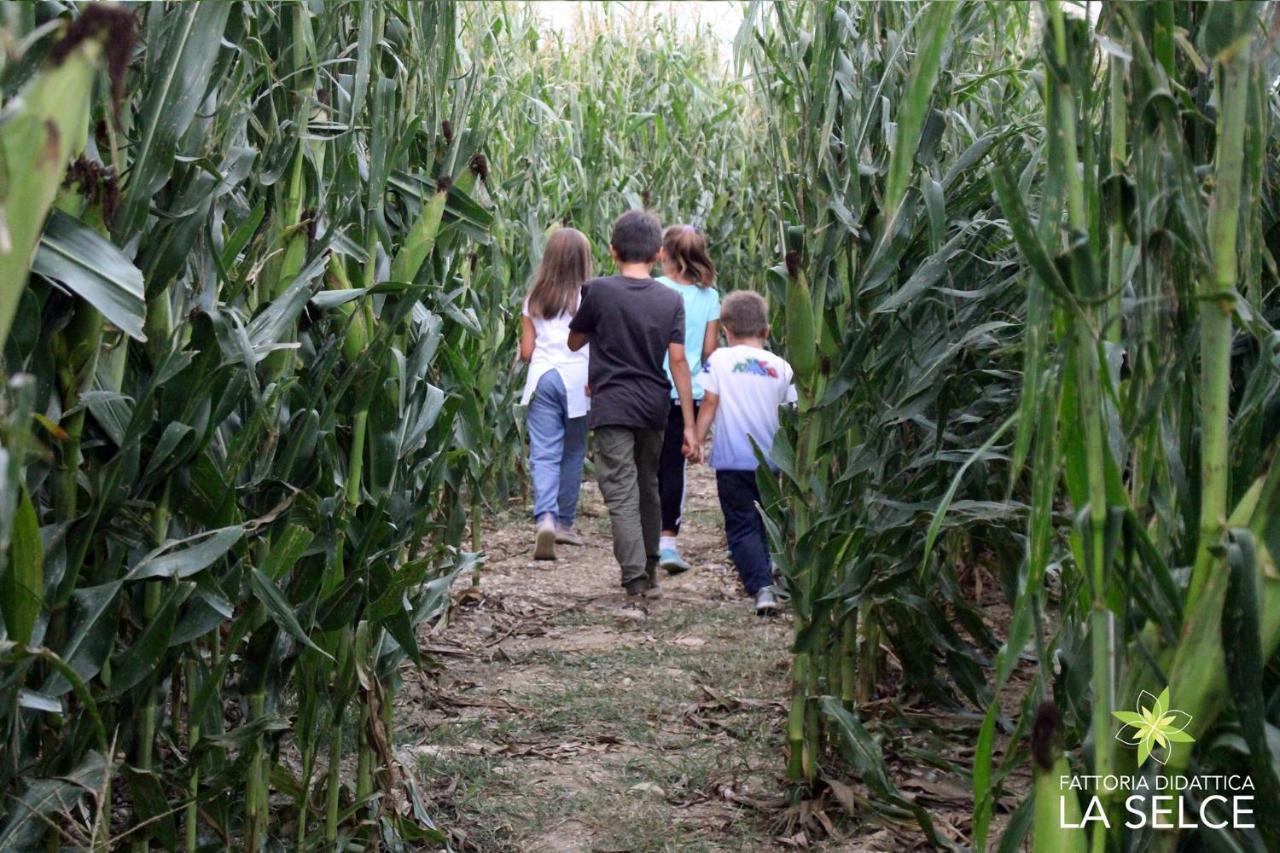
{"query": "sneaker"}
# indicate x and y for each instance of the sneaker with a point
(669, 559)
(544, 547)
(766, 602)
(568, 536)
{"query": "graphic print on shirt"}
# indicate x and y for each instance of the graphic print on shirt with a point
(751, 384)
(756, 367)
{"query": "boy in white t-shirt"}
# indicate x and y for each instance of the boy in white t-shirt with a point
(744, 387)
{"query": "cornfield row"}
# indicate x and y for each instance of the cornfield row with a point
(261, 389)
(1031, 290)
(238, 422)
(259, 281)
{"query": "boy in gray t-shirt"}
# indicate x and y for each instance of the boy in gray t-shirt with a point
(632, 323)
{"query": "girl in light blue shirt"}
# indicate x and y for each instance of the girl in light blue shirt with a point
(687, 269)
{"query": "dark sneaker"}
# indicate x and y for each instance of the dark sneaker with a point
(568, 536)
(642, 588)
(766, 602)
(670, 559)
(544, 547)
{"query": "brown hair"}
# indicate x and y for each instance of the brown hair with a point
(746, 314)
(687, 249)
(557, 285)
(637, 237)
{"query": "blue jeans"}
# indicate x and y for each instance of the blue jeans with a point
(557, 446)
(748, 542)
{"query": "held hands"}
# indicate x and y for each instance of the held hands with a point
(692, 448)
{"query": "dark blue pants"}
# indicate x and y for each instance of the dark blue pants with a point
(748, 542)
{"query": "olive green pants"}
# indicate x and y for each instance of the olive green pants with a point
(627, 472)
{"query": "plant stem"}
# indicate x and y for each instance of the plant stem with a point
(255, 792)
(1218, 295)
(848, 659)
(355, 460)
(795, 723)
(193, 738)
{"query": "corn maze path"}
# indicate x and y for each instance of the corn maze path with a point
(564, 719)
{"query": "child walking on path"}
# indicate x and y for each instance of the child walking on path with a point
(687, 269)
(555, 390)
(745, 385)
(632, 322)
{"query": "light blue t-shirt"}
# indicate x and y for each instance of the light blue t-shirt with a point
(701, 306)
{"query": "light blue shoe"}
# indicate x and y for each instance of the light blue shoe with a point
(669, 559)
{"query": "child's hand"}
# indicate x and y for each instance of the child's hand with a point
(692, 450)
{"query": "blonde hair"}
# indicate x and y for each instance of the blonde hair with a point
(557, 285)
(687, 249)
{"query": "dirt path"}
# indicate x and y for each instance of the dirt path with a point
(566, 719)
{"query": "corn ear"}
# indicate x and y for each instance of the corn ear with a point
(35, 145)
(802, 348)
(477, 169)
(1055, 808)
(360, 323)
(421, 238)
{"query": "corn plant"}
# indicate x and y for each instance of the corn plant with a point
(1152, 299)
(899, 299)
(231, 414)
(1139, 311)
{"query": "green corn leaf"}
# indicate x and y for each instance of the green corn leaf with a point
(186, 51)
(22, 585)
(46, 799)
(934, 23)
(91, 267)
(267, 592)
(173, 560)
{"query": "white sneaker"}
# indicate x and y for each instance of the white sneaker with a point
(766, 602)
(544, 547)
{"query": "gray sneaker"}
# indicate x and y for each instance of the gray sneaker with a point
(766, 602)
(544, 547)
(568, 536)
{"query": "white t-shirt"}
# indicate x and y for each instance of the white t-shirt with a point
(551, 352)
(752, 384)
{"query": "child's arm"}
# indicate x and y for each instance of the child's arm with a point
(706, 415)
(684, 387)
(527, 338)
(583, 322)
(711, 340)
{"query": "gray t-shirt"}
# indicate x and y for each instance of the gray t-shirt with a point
(631, 321)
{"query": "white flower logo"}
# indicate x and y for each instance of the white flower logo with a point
(1155, 725)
